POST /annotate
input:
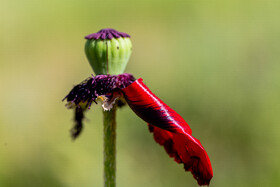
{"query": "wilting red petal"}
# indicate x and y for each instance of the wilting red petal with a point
(187, 150)
(170, 130)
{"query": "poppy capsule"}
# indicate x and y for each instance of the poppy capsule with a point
(108, 51)
(170, 130)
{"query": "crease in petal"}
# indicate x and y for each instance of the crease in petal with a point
(153, 110)
(170, 130)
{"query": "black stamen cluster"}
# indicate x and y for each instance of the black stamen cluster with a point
(89, 90)
(95, 86)
(78, 119)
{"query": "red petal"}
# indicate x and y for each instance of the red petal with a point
(170, 130)
(187, 150)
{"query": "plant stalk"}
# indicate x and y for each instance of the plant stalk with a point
(109, 120)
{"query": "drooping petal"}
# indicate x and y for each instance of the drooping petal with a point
(170, 130)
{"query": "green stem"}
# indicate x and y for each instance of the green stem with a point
(109, 119)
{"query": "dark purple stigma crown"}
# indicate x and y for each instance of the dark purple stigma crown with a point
(107, 34)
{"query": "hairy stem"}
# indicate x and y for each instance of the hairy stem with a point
(109, 119)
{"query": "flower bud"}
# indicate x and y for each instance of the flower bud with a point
(108, 51)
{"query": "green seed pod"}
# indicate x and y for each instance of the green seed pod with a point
(108, 51)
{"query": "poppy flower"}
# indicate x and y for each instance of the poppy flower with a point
(169, 129)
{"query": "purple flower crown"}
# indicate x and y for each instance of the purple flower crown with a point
(107, 34)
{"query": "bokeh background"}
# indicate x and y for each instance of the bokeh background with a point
(215, 62)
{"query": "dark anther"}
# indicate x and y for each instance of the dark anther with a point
(78, 127)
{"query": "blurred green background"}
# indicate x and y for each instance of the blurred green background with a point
(215, 62)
